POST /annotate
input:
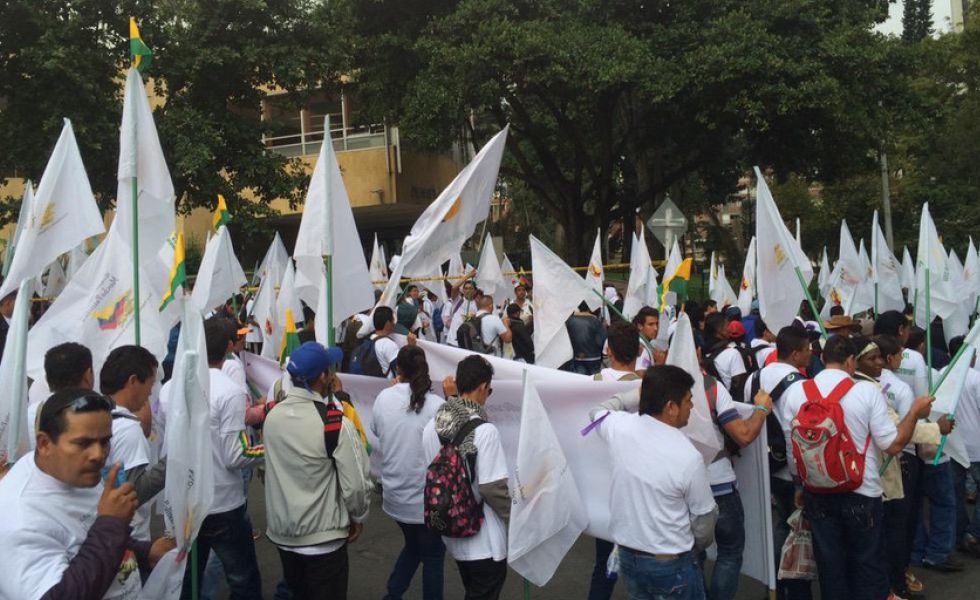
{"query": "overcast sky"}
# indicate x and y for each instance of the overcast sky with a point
(940, 17)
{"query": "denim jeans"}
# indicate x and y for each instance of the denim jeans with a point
(602, 584)
(783, 506)
(730, 542)
(849, 545)
(965, 522)
(229, 534)
(422, 545)
(934, 544)
(647, 578)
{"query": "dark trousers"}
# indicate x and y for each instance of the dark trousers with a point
(602, 584)
(229, 534)
(319, 577)
(896, 545)
(849, 545)
(730, 542)
(422, 545)
(482, 579)
(914, 487)
(783, 505)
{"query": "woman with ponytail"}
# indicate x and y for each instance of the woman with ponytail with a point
(400, 414)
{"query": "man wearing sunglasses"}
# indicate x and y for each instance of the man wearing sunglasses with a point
(71, 532)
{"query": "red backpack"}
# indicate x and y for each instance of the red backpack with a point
(451, 508)
(827, 460)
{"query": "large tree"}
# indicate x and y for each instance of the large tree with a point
(619, 102)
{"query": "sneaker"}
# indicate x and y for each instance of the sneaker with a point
(912, 584)
(950, 565)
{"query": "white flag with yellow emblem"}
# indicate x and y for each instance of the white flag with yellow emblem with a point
(595, 275)
(63, 214)
(96, 309)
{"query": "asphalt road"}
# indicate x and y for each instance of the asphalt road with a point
(372, 557)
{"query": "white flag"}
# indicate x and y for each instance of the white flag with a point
(63, 214)
(509, 275)
(189, 491)
(641, 290)
(959, 322)
(379, 270)
(823, 279)
(97, 309)
(76, 258)
(288, 299)
(56, 280)
(264, 313)
(885, 272)
(26, 201)
(273, 264)
(746, 289)
(781, 263)
(547, 515)
(931, 265)
(595, 275)
(700, 427)
(489, 275)
(971, 275)
(558, 290)
(141, 156)
(439, 232)
(220, 276)
(908, 270)
(722, 293)
(328, 229)
(13, 381)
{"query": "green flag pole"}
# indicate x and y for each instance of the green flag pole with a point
(809, 299)
(613, 308)
(527, 590)
(328, 232)
(136, 228)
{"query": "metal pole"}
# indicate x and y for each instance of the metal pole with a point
(886, 202)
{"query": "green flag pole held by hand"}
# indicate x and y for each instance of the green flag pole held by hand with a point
(613, 308)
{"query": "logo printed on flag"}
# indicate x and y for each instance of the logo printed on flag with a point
(47, 219)
(595, 270)
(780, 254)
(115, 314)
(453, 210)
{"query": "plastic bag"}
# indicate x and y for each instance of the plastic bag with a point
(797, 560)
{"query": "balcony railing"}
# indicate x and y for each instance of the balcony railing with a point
(307, 143)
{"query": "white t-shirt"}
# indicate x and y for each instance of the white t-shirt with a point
(491, 326)
(721, 470)
(386, 350)
(643, 361)
(729, 363)
(865, 413)
(491, 465)
(131, 448)
(227, 407)
(610, 374)
(659, 482)
(762, 350)
(465, 311)
(769, 378)
(968, 415)
(37, 393)
(235, 370)
(44, 524)
(403, 461)
(899, 396)
(913, 372)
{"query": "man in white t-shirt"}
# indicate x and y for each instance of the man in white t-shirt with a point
(661, 507)
(127, 376)
(793, 352)
(385, 348)
(461, 307)
(226, 529)
(913, 369)
(67, 535)
(848, 537)
(522, 301)
(647, 322)
(494, 330)
(482, 558)
(968, 420)
(66, 366)
(764, 342)
(721, 357)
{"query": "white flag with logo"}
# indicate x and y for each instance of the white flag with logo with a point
(264, 312)
(273, 264)
(63, 214)
(595, 274)
(931, 266)
(379, 270)
(509, 275)
(641, 290)
(220, 276)
(746, 289)
(886, 272)
(548, 514)
(851, 286)
(13, 381)
(558, 290)
(439, 232)
(779, 259)
(700, 428)
(141, 156)
(97, 309)
(328, 229)
(489, 275)
(722, 294)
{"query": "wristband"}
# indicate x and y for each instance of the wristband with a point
(762, 409)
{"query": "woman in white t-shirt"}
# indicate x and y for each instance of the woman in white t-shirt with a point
(400, 414)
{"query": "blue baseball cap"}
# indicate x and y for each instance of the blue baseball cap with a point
(311, 359)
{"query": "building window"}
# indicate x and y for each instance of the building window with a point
(298, 130)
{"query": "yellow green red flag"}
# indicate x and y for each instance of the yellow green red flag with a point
(178, 272)
(677, 282)
(221, 215)
(140, 53)
(290, 338)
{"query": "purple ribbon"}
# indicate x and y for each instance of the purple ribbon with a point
(594, 424)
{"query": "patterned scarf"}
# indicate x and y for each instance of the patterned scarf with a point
(452, 415)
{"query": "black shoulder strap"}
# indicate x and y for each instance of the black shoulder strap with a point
(333, 420)
(465, 431)
(124, 416)
(784, 384)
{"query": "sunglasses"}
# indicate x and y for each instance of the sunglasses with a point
(90, 402)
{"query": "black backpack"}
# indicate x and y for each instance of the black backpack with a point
(365, 361)
(469, 336)
(737, 386)
(774, 431)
